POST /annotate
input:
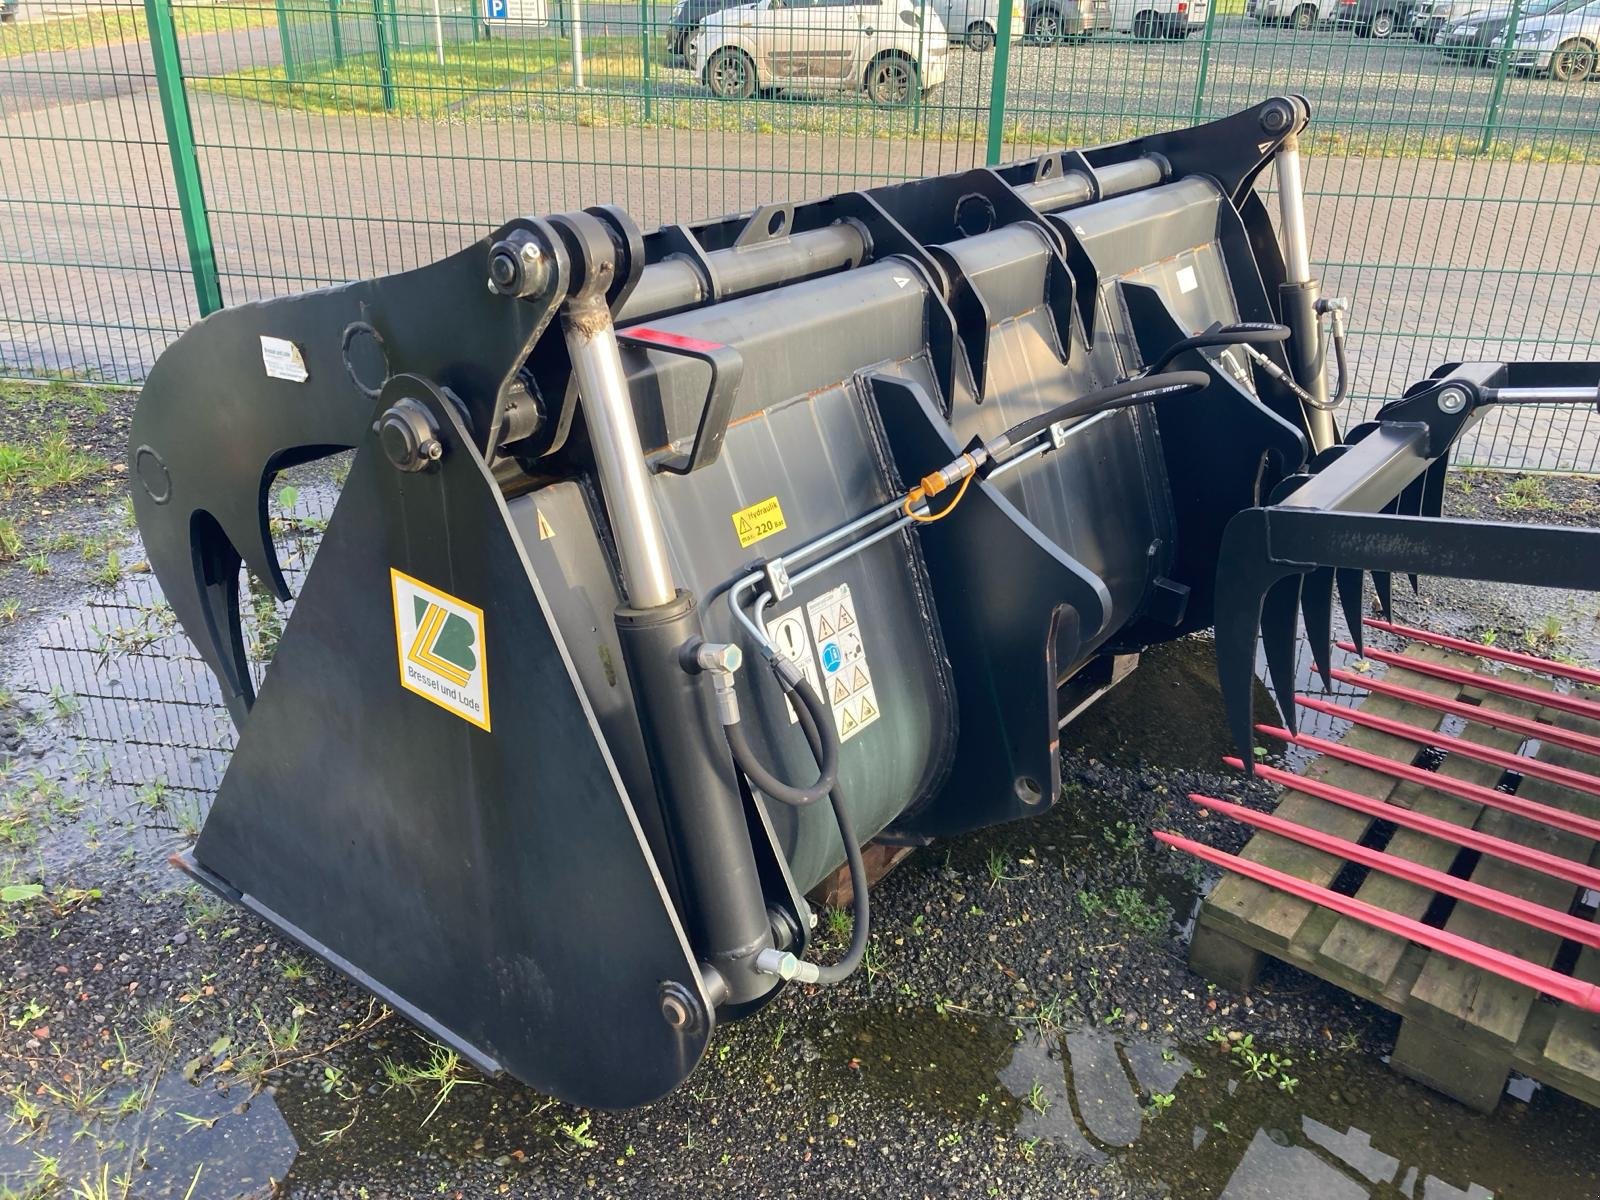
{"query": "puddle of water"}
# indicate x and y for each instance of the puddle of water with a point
(1191, 1118)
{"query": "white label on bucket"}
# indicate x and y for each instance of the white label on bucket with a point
(846, 674)
(789, 635)
(283, 360)
(1187, 282)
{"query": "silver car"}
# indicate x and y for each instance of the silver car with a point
(975, 22)
(1561, 45)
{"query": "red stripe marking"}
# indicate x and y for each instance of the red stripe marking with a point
(1542, 861)
(1526, 726)
(1578, 781)
(1545, 814)
(1552, 983)
(1532, 662)
(671, 341)
(1540, 916)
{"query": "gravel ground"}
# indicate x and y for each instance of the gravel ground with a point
(1027, 1026)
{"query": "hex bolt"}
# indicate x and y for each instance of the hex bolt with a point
(1451, 399)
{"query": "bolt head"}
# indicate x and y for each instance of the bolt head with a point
(530, 253)
(1451, 400)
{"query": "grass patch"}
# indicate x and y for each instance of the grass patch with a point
(473, 73)
(122, 25)
(529, 80)
(52, 463)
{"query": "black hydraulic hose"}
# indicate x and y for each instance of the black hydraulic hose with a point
(1119, 395)
(1249, 333)
(860, 905)
(825, 747)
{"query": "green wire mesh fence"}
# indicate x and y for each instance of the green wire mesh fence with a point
(160, 159)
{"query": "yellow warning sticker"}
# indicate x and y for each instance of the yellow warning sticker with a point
(439, 641)
(758, 521)
(546, 531)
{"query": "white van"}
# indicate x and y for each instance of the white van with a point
(1149, 19)
(881, 47)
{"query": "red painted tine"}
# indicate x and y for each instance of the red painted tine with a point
(1531, 662)
(1491, 900)
(1542, 861)
(1578, 781)
(1497, 962)
(1489, 683)
(1526, 726)
(1545, 814)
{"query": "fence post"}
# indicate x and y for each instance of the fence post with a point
(338, 34)
(1502, 68)
(644, 45)
(185, 163)
(385, 67)
(997, 86)
(1205, 59)
(286, 41)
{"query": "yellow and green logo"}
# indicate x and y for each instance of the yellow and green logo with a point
(439, 639)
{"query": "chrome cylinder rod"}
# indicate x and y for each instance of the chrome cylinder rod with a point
(614, 435)
(1299, 294)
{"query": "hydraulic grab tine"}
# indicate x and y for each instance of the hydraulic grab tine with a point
(1489, 899)
(1587, 676)
(1526, 726)
(1575, 705)
(1278, 614)
(1316, 609)
(1522, 764)
(1545, 814)
(1351, 584)
(1542, 861)
(1497, 962)
(1410, 504)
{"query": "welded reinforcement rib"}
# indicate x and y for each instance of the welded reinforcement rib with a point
(1508, 966)
(1587, 676)
(1542, 861)
(1545, 814)
(1575, 705)
(1526, 912)
(1511, 723)
(1578, 781)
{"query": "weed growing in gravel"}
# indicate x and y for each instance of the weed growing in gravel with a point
(53, 463)
(1037, 1100)
(38, 564)
(292, 969)
(443, 1073)
(839, 922)
(998, 862)
(577, 1133)
(10, 608)
(1526, 493)
(1159, 1103)
(10, 539)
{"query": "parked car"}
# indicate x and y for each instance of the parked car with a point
(8, 10)
(1565, 46)
(882, 47)
(1374, 18)
(1299, 14)
(1053, 21)
(975, 22)
(1147, 19)
(1472, 39)
(685, 22)
(1430, 17)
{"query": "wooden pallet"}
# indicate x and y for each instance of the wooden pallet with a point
(1463, 1030)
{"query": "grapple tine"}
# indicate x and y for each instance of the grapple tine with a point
(1383, 589)
(1316, 609)
(1409, 504)
(1245, 577)
(1278, 614)
(1351, 583)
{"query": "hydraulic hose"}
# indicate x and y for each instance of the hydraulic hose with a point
(860, 906)
(824, 747)
(1119, 395)
(1249, 333)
